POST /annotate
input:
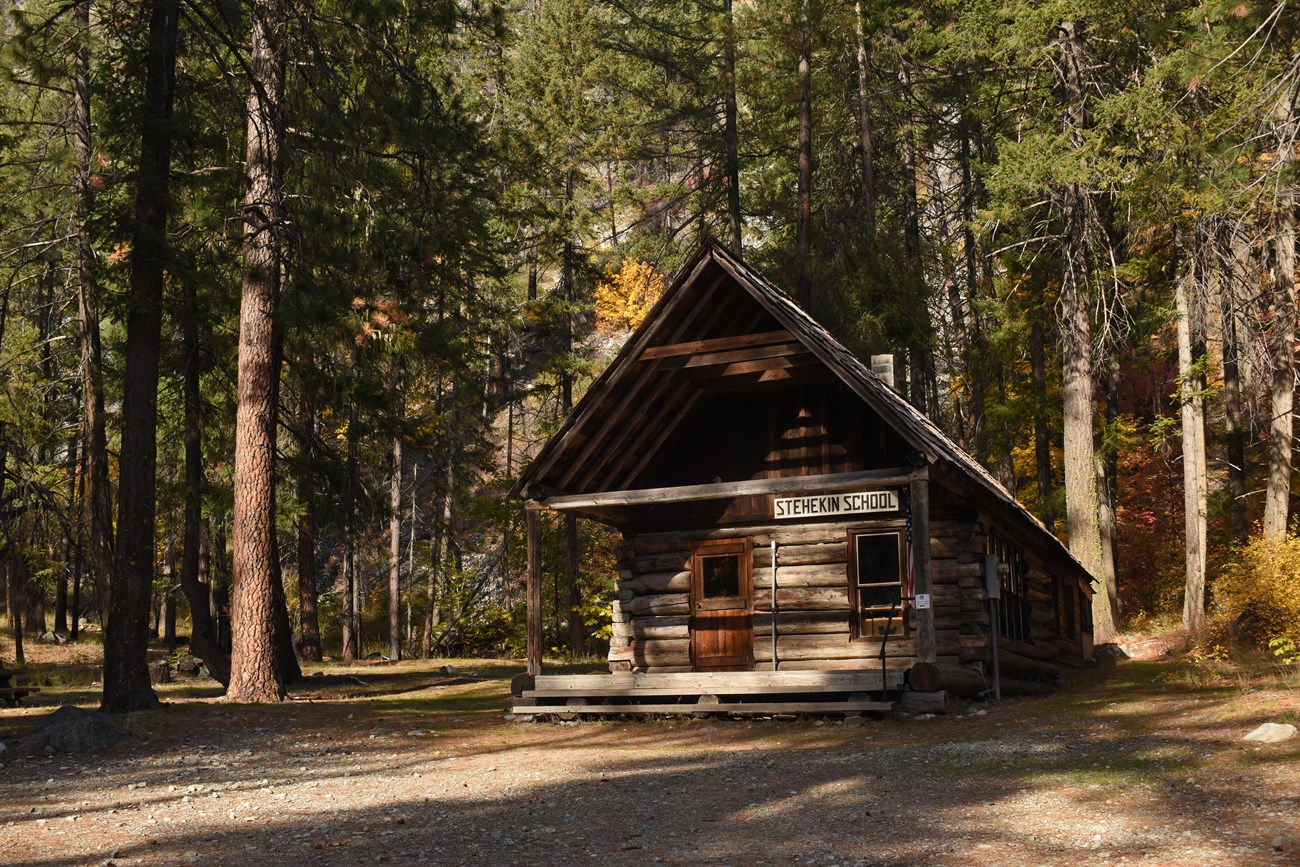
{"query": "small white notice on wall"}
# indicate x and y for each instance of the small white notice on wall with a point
(922, 600)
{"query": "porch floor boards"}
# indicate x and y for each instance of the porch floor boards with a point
(734, 692)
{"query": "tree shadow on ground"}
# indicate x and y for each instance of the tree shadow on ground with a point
(1126, 768)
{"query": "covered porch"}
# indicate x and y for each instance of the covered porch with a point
(755, 693)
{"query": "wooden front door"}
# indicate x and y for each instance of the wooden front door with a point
(722, 605)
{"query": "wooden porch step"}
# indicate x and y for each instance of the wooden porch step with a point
(761, 708)
(716, 683)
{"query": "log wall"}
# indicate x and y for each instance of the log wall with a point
(651, 630)
(652, 613)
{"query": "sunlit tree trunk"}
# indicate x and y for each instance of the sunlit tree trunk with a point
(255, 674)
(1277, 496)
(1191, 350)
(395, 537)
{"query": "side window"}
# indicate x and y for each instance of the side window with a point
(1013, 606)
(1069, 623)
(875, 566)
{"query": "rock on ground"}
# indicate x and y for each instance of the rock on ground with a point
(1272, 733)
(71, 729)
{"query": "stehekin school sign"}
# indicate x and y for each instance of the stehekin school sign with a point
(818, 505)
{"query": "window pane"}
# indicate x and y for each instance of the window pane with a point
(881, 596)
(721, 576)
(878, 560)
(879, 585)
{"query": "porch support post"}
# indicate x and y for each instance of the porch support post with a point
(920, 496)
(533, 516)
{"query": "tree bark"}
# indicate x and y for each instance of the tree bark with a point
(16, 570)
(803, 191)
(126, 638)
(308, 618)
(69, 538)
(866, 143)
(573, 556)
(351, 616)
(395, 538)
(1191, 349)
(167, 613)
(1277, 496)
(255, 666)
(1107, 492)
(1042, 435)
(730, 131)
(203, 631)
(1235, 432)
(1081, 495)
(100, 530)
(433, 613)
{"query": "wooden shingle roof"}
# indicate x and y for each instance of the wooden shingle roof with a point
(630, 411)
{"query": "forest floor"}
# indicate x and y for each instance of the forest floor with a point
(1139, 763)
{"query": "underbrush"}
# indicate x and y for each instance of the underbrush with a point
(1257, 599)
(1218, 661)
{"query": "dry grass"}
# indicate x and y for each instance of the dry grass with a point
(1143, 763)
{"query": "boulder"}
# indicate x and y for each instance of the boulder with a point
(188, 664)
(71, 729)
(1271, 733)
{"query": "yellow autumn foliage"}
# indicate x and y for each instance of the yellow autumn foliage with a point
(625, 296)
(1264, 585)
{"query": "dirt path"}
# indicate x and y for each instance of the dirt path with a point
(1145, 765)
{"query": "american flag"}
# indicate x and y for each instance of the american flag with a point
(909, 576)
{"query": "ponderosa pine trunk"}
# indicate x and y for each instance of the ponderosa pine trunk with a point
(255, 672)
(803, 186)
(1191, 349)
(126, 636)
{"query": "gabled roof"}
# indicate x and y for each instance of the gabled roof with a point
(632, 408)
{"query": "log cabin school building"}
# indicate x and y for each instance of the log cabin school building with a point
(796, 537)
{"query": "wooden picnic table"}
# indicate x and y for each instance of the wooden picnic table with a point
(11, 694)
